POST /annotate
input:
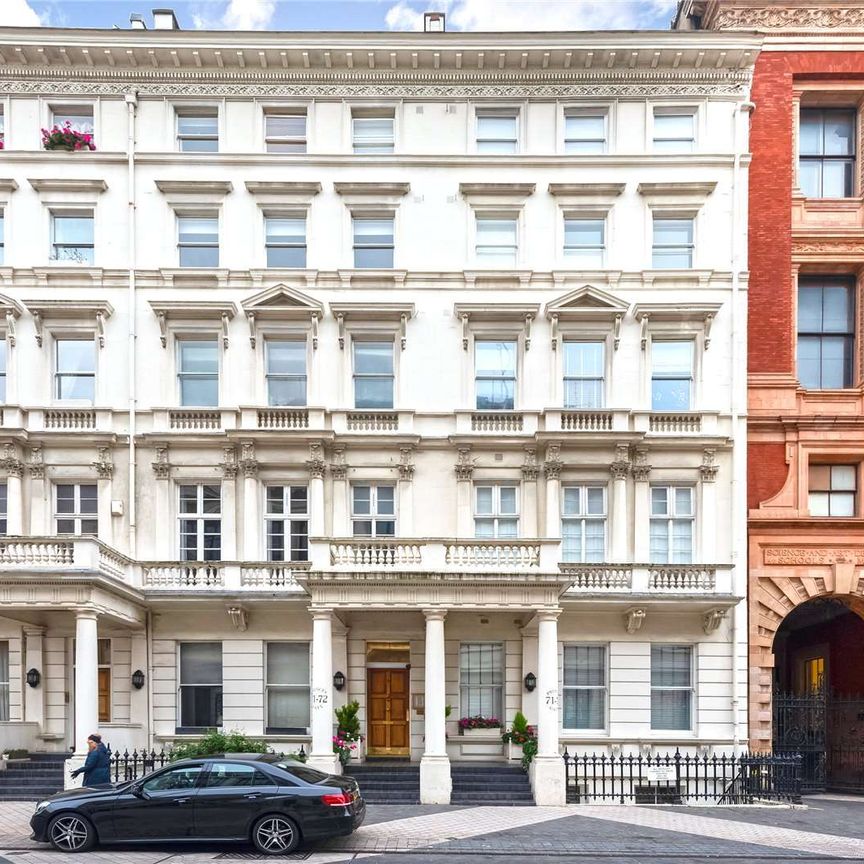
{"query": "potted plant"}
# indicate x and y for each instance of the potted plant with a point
(478, 726)
(66, 138)
(521, 737)
(348, 741)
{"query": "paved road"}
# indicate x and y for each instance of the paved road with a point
(828, 829)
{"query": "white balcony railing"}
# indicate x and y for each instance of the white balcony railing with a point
(194, 420)
(376, 553)
(69, 418)
(283, 418)
(685, 578)
(183, 574)
(599, 577)
(646, 579)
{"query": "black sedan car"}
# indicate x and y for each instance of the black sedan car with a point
(271, 802)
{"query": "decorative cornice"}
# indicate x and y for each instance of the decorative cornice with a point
(786, 16)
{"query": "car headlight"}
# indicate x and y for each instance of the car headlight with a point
(41, 806)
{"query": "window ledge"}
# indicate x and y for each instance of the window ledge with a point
(66, 185)
(194, 188)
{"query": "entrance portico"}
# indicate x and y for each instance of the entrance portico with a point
(438, 616)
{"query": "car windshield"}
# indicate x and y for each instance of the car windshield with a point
(308, 775)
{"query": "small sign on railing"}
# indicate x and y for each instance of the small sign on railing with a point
(660, 774)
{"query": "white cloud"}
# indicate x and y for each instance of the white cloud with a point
(535, 15)
(237, 15)
(18, 13)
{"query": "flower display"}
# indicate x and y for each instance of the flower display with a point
(344, 747)
(478, 722)
(66, 138)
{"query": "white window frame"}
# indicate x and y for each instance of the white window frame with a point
(198, 214)
(358, 339)
(369, 216)
(498, 688)
(57, 110)
(73, 212)
(831, 491)
(277, 730)
(286, 518)
(570, 337)
(497, 513)
(665, 216)
(56, 339)
(298, 216)
(574, 259)
(374, 516)
(490, 262)
(181, 685)
(516, 339)
(660, 338)
(286, 111)
(77, 517)
(586, 111)
(513, 112)
(675, 111)
(691, 689)
(376, 112)
(604, 687)
(299, 339)
(671, 517)
(199, 517)
(183, 110)
(585, 517)
(179, 339)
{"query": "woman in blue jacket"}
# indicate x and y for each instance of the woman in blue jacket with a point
(97, 767)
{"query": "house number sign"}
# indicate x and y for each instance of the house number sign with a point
(320, 698)
(552, 699)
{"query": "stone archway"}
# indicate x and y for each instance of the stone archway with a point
(781, 579)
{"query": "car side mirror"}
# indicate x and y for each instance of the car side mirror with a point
(137, 789)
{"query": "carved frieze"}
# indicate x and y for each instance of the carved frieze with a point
(36, 465)
(406, 463)
(530, 468)
(10, 463)
(791, 555)
(161, 466)
(787, 16)
(103, 464)
(464, 464)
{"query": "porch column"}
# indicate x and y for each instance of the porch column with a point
(547, 769)
(435, 783)
(86, 678)
(322, 755)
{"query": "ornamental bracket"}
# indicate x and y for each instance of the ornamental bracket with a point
(633, 619)
(712, 619)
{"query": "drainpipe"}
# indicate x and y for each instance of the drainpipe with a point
(131, 105)
(739, 452)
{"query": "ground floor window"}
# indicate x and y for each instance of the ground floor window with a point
(672, 687)
(200, 685)
(4, 680)
(104, 663)
(287, 686)
(585, 687)
(481, 679)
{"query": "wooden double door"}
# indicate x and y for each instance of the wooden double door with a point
(388, 729)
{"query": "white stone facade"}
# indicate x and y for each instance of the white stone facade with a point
(433, 591)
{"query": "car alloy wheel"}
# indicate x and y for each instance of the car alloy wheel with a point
(70, 833)
(276, 835)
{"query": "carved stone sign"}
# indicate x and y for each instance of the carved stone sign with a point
(793, 556)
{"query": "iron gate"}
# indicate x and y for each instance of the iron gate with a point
(827, 729)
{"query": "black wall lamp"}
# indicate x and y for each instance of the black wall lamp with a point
(137, 679)
(530, 682)
(338, 680)
(34, 676)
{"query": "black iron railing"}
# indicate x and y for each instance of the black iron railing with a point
(682, 779)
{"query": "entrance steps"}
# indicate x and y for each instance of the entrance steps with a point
(40, 775)
(474, 783)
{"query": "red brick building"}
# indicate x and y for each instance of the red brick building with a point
(806, 375)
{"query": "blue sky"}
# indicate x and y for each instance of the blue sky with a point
(468, 15)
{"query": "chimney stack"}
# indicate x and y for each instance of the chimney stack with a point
(433, 22)
(136, 21)
(165, 19)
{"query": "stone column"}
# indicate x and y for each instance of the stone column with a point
(530, 471)
(464, 505)
(552, 471)
(86, 691)
(14, 469)
(708, 510)
(341, 506)
(641, 470)
(105, 471)
(162, 472)
(251, 516)
(322, 755)
(39, 519)
(405, 523)
(317, 468)
(229, 504)
(618, 511)
(547, 774)
(34, 658)
(435, 782)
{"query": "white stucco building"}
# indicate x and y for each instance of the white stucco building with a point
(418, 358)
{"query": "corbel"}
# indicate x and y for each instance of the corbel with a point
(162, 318)
(315, 318)
(403, 330)
(643, 329)
(633, 619)
(528, 319)
(554, 324)
(224, 330)
(10, 328)
(712, 619)
(709, 320)
(465, 318)
(340, 323)
(252, 330)
(37, 323)
(100, 328)
(616, 331)
(238, 617)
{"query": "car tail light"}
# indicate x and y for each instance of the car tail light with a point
(341, 799)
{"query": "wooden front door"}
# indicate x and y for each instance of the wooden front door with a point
(388, 734)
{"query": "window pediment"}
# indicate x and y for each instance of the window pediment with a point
(96, 310)
(195, 187)
(587, 304)
(182, 310)
(377, 196)
(683, 196)
(701, 313)
(282, 303)
(504, 313)
(390, 314)
(491, 195)
(287, 194)
(66, 185)
(597, 196)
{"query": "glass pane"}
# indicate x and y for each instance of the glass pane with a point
(76, 355)
(836, 367)
(211, 498)
(373, 393)
(837, 309)
(502, 128)
(199, 356)
(299, 499)
(583, 147)
(810, 178)
(495, 395)
(288, 663)
(373, 358)
(484, 498)
(818, 504)
(362, 498)
(572, 500)
(839, 135)
(373, 129)
(659, 500)
(73, 230)
(496, 232)
(810, 362)
(285, 230)
(288, 708)
(199, 145)
(673, 126)
(809, 308)
(585, 126)
(672, 259)
(199, 392)
(385, 500)
(286, 358)
(810, 132)
(81, 387)
(843, 477)
(201, 707)
(596, 500)
(80, 121)
(584, 232)
(670, 665)
(196, 124)
(195, 230)
(671, 359)
(508, 529)
(584, 709)
(88, 498)
(366, 258)
(673, 232)
(670, 709)
(286, 391)
(684, 501)
(495, 359)
(385, 528)
(595, 541)
(373, 231)
(837, 178)
(507, 498)
(670, 395)
(285, 125)
(175, 779)
(682, 541)
(584, 359)
(286, 256)
(200, 662)
(199, 256)
(842, 504)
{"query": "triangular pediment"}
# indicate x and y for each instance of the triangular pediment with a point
(284, 299)
(589, 301)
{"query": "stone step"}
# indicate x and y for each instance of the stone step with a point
(478, 788)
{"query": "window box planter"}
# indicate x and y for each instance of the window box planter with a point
(67, 139)
(493, 732)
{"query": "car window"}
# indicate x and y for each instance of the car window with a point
(308, 775)
(175, 778)
(224, 775)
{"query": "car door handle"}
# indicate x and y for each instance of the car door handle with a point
(252, 795)
(180, 800)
